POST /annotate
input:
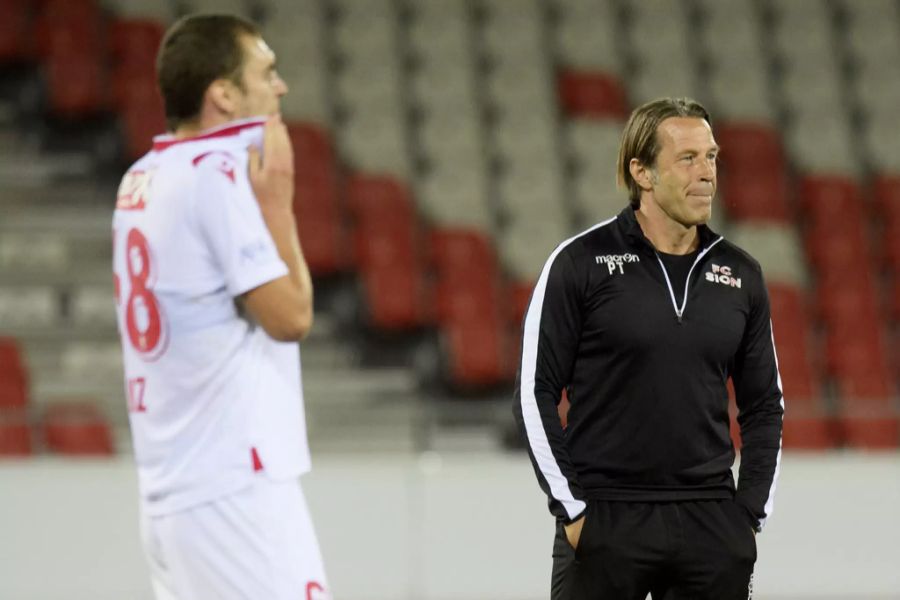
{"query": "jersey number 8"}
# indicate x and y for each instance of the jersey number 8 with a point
(143, 318)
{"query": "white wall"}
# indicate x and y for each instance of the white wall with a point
(460, 526)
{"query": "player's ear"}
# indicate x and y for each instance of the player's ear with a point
(222, 94)
(642, 174)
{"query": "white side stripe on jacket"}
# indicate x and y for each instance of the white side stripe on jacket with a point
(534, 426)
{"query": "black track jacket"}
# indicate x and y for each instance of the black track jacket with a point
(646, 380)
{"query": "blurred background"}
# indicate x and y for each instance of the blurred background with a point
(443, 148)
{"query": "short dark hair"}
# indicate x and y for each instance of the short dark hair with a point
(197, 50)
(641, 141)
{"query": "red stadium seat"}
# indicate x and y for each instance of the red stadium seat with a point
(789, 310)
(468, 280)
(320, 215)
(857, 356)
(78, 85)
(890, 246)
(754, 183)
(809, 432)
(16, 34)
(755, 196)
(313, 150)
(141, 115)
(877, 430)
(478, 353)
(76, 428)
(397, 297)
(15, 433)
(13, 376)
(381, 243)
(830, 199)
(455, 253)
(847, 296)
(135, 42)
(894, 303)
(886, 196)
(376, 199)
(519, 295)
(838, 248)
(592, 95)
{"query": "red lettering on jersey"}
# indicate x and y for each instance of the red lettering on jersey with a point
(134, 190)
(136, 388)
(225, 166)
(257, 464)
(315, 586)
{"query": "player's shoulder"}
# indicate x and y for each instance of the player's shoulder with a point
(585, 242)
(728, 249)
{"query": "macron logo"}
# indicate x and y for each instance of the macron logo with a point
(722, 274)
(616, 262)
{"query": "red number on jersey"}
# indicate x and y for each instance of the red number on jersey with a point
(143, 319)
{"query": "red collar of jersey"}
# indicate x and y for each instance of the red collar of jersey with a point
(161, 142)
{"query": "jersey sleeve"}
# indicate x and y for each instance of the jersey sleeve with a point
(760, 402)
(231, 222)
(551, 332)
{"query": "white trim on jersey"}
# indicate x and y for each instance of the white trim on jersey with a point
(531, 416)
(770, 501)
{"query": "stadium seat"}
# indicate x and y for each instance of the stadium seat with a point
(885, 191)
(519, 296)
(375, 199)
(857, 357)
(808, 431)
(591, 95)
(754, 183)
(320, 215)
(467, 277)
(478, 353)
(16, 41)
(776, 246)
(135, 42)
(750, 195)
(76, 427)
(15, 433)
(846, 295)
(841, 248)
(93, 305)
(830, 198)
(141, 115)
(77, 83)
(878, 429)
(397, 296)
(586, 37)
(13, 376)
(28, 306)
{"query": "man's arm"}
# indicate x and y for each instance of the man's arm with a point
(551, 333)
(760, 403)
(283, 306)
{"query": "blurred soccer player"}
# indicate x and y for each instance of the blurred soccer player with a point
(642, 319)
(213, 294)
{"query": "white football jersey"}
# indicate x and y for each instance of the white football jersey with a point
(210, 394)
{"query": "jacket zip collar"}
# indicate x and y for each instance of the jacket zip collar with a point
(708, 239)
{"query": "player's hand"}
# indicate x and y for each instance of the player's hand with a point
(272, 172)
(573, 531)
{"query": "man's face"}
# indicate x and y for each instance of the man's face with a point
(684, 177)
(263, 87)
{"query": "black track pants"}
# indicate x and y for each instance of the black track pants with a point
(698, 550)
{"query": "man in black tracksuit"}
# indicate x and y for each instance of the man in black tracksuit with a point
(642, 319)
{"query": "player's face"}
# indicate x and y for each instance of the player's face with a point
(263, 87)
(684, 178)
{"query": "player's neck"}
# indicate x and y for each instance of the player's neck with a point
(666, 234)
